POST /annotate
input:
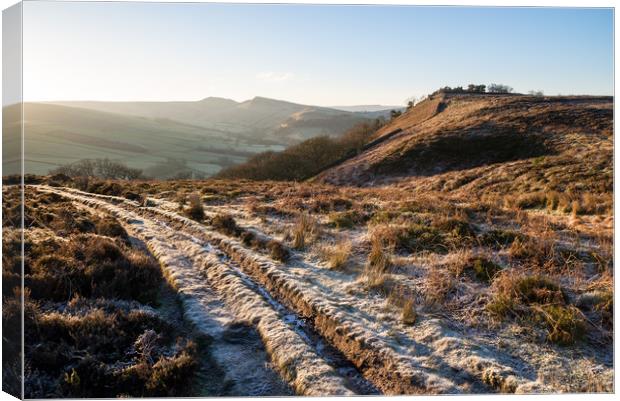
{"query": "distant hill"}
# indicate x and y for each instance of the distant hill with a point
(490, 143)
(168, 139)
(273, 120)
(58, 134)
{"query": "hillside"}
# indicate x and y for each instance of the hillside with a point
(168, 139)
(56, 135)
(466, 248)
(276, 120)
(495, 143)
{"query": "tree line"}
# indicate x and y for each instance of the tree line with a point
(99, 168)
(306, 159)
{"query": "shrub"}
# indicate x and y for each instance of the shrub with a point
(348, 219)
(278, 251)
(419, 237)
(111, 228)
(538, 299)
(90, 265)
(195, 210)
(538, 289)
(134, 196)
(306, 159)
(458, 229)
(499, 238)
(485, 269)
(101, 168)
(105, 188)
(225, 224)
(171, 374)
(247, 238)
(565, 324)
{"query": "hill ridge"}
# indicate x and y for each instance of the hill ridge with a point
(448, 138)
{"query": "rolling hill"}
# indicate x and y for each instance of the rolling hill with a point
(272, 120)
(57, 135)
(168, 139)
(482, 143)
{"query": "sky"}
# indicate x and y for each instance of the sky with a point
(320, 55)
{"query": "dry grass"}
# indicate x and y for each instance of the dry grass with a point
(409, 314)
(195, 210)
(305, 231)
(337, 255)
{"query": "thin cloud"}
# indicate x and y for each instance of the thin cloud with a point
(274, 76)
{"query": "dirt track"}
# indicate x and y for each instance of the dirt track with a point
(307, 339)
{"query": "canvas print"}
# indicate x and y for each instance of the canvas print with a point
(204, 199)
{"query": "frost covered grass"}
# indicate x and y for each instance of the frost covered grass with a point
(86, 294)
(449, 253)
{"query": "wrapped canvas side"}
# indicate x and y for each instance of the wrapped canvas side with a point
(12, 203)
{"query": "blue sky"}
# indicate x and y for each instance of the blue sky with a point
(324, 55)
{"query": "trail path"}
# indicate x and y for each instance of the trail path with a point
(273, 333)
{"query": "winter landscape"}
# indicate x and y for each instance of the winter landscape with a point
(457, 242)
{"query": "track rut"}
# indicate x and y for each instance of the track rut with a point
(315, 345)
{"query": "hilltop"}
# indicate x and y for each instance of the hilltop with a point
(498, 143)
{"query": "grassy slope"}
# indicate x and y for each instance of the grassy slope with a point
(492, 143)
(280, 121)
(58, 134)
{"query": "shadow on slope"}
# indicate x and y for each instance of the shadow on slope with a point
(462, 149)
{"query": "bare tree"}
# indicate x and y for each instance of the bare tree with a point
(499, 88)
(100, 168)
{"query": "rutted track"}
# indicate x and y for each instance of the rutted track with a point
(187, 261)
(248, 280)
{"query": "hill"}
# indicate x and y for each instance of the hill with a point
(268, 119)
(57, 135)
(369, 108)
(499, 143)
(168, 139)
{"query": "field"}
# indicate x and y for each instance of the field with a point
(430, 262)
